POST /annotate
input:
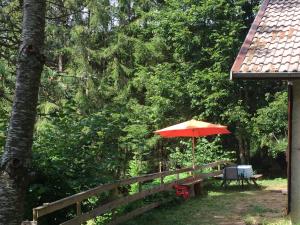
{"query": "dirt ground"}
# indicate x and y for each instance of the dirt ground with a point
(267, 205)
(261, 207)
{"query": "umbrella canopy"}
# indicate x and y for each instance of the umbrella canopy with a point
(192, 128)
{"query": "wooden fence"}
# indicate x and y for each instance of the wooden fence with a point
(76, 199)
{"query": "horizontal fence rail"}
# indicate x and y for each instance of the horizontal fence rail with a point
(76, 199)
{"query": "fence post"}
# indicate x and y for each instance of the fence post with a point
(140, 186)
(78, 208)
(161, 179)
(34, 215)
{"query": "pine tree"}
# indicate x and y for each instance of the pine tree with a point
(17, 155)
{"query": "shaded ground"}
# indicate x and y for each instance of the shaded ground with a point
(233, 206)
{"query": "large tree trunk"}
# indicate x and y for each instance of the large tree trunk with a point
(243, 148)
(16, 159)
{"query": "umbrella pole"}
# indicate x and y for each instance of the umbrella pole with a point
(193, 140)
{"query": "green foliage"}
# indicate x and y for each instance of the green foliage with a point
(270, 124)
(5, 100)
(205, 151)
(118, 70)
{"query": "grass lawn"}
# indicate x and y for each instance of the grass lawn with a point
(233, 206)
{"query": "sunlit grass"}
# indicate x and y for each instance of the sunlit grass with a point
(250, 220)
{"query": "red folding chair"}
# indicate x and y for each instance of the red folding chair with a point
(182, 190)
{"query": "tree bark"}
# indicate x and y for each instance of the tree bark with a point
(60, 63)
(16, 158)
(241, 149)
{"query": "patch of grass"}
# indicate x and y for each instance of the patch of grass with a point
(220, 205)
(184, 213)
(198, 211)
(276, 183)
(259, 209)
(256, 221)
(251, 220)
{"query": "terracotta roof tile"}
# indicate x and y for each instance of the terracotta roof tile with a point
(272, 46)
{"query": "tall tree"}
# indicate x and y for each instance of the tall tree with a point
(17, 154)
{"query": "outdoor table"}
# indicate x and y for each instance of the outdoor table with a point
(240, 173)
(245, 171)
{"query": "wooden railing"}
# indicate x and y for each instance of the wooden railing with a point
(76, 199)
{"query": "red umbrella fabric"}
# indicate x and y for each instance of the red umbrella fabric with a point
(192, 128)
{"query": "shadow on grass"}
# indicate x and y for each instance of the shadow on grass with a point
(233, 186)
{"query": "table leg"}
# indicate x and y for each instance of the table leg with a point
(223, 183)
(254, 182)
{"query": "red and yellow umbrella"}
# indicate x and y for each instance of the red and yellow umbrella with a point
(193, 129)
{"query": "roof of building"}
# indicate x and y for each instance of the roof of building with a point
(272, 46)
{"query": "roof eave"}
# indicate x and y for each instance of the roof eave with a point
(249, 38)
(265, 76)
